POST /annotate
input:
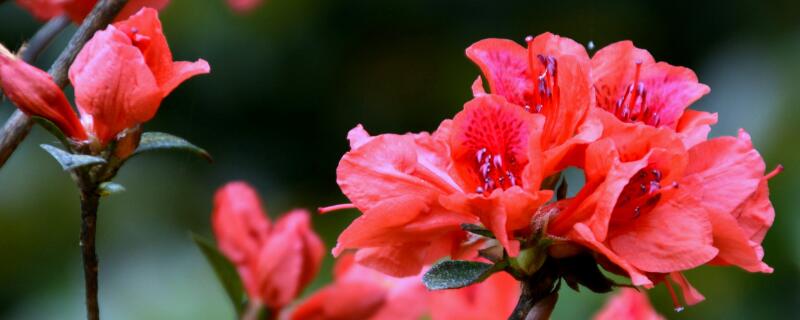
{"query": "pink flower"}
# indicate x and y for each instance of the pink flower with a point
(123, 73)
(275, 262)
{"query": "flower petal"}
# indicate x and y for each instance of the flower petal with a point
(674, 236)
(113, 85)
(34, 93)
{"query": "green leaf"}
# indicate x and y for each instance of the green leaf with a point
(110, 188)
(53, 129)
(163, 141)
(453, 274)
(476, 229)
(70, 161)
(225, 271)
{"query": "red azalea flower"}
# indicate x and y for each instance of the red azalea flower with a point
(34, 92)
(550, 77)
(361, 293)
(79, 9)
(631, 85)
(494, 298)
(123, 73)
(275, 262)
(652, 208)
(628, 304)
(415, 190)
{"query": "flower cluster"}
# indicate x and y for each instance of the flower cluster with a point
(659, 197)
(277, 261)
(120, 78)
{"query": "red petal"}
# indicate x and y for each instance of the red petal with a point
(114, 88)
(694, 126)
(674, 236)
(726, 173)
(670, 89)
(504, 63)
(241, 227)
(503, 130)
(34, 92)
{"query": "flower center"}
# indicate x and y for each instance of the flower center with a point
(639, 196)
(495, 170)
(545, 92)
(632, 105)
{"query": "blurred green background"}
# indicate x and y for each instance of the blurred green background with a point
(291, 78)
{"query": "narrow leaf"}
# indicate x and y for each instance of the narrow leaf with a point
(453, 274)
(110, 188)
(69, 161)
(476, 229)
(164, 141)
(225, 271)
(53, 129)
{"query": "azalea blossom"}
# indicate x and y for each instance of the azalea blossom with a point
(120, 78)
(275, 261)
(358, 292)
(628, 83)
(654, 208)
(415, 190)
(550, 77)
(122, 74)
(492, 299)
(77, 10)
(628, 304)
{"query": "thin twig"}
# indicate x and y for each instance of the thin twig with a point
(42, 39)
(19, 125)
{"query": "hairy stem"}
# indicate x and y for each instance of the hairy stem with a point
(19, 125)
(90, 200)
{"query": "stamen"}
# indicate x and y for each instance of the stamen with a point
(778, 169)
(675, 303)
(343, 206)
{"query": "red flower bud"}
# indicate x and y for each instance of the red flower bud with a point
(35, 93)
(123, 73)
(275, 262)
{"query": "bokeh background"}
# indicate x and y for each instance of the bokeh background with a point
(292, 77)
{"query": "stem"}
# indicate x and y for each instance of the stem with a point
(538, 296)
(42, 38)
(19, 125)
(90, 200)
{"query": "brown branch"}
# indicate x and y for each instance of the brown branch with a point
(90, 200)
(19, 125)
